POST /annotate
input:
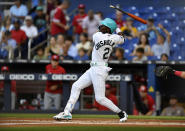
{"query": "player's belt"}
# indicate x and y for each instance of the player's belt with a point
(98, 64)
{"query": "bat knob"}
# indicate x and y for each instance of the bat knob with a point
(111, 6)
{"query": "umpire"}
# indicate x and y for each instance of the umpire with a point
(53, 91)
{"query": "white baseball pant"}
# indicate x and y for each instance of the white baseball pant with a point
(96, 75)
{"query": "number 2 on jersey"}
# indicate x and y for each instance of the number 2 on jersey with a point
(105, 55)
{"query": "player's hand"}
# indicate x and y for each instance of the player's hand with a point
(53, 87)
(164, 71)
(121, 33)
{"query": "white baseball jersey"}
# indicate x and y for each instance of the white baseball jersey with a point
(96, 75)
(103, 45)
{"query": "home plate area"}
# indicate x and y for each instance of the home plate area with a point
(14, 122)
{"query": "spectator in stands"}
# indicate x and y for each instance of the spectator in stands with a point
(60, 42)
(119, 54)
(18, 11)
(34, 5)
(59, 23)
(52, 48)
(100, 15)
(90, 24)
(164, 57)
(18, 34)
(7, 24)
(129, 28)
(53, 91)
(140, 55)
(173, 109)
(65, 55)
(3, 49)
(147, 100)
(81, 55)
(51, 5)
(4, 70)
(77, 21)
(119, 19)
(40, 54)
(72, 51)
(30, 30)
(144, 43)
(163, 45)
(109, 95)
(40, 19)
(20, 37)
(149, 29)
(7, 46)
(84, 43)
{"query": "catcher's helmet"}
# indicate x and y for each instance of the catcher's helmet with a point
(110, 23)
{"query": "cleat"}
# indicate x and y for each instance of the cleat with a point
(123, 116)
(63, 116)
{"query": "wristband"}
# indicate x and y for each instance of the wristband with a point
(178, 73)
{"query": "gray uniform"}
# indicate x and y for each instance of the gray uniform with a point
(173, 111)
(50, 98)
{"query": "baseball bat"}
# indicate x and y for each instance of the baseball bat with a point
(129, 14)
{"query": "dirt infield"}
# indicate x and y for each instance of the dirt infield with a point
(22, 122)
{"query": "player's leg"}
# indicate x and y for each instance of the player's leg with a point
(47, 101)
(98, 79)
(57, 101)
(81, 83)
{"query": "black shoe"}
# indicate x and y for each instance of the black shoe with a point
(123, 116)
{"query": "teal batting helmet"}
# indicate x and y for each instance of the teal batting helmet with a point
(110, 23)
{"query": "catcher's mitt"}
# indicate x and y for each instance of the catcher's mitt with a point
(163, 71)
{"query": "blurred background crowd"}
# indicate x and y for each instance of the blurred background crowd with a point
(38, 29)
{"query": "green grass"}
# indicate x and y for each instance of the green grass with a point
(92, 128)
(30, 115)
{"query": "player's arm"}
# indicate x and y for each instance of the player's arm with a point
(56, 20)
(180, 74)
(118, 38)
(168, 36)
(61, 25)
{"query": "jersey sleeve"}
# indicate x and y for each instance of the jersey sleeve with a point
(57, 16)
(96, 36)
(24, 11)
(118, 39)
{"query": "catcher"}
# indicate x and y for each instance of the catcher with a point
(165, 71)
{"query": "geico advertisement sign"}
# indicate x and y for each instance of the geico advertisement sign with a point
(21, 77)
(114, 78)
(64, 77)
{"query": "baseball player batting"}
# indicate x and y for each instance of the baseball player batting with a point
(165, 71)
(104, 42)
